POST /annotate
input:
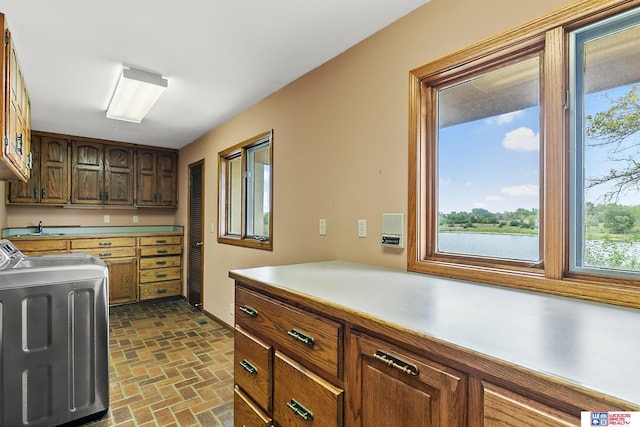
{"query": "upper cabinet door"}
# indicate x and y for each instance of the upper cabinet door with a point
(88, 173)
(118, 175)
(15, 157)
(167, 177)
(54, 170)
(157, 178)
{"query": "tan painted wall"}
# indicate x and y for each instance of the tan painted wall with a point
(340, 143)
(52, 216)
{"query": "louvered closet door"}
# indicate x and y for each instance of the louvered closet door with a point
(196, 249)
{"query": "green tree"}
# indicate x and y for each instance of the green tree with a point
(614, 128)
(619, 219)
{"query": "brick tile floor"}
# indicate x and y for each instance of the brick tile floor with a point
(170, 366)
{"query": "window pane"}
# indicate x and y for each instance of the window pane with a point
(258, 197)
(488, 154)
(235, 196)
(606, 142)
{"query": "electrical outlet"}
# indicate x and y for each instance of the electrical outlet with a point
(231, 309)
(323, 227)
(107, 219)
(362, 228)
(135, 219)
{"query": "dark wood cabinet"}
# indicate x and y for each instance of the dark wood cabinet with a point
(15, 115)
(49, 181)
(157, 173)
(424, 392)
(102, 173)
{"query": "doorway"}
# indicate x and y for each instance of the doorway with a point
(196, 234)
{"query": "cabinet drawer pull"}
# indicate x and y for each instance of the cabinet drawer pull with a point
(247, 366)
(104, 254)
(161, 262)
(249, 310)
(161, 291)
(162, 251)
(104, 243)
(161, 241)
(306, 339)
(396, 363)
(161, 275)
(300, 410)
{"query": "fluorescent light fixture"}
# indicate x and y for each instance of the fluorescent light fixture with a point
(135, 94)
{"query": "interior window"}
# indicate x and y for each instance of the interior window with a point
(524, 157)
(245, 215)
(488, 164)
(605, 199)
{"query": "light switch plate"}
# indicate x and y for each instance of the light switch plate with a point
(323, 227)
(362, 228)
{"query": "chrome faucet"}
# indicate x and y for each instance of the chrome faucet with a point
(40, 227)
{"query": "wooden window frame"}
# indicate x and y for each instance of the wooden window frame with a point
(224, 157)
(549, 34)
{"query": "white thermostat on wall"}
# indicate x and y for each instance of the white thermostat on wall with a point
(393, 230)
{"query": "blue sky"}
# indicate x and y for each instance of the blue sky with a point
(494, 163)
(491, 163)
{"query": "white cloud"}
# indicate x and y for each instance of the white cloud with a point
(494, 198)
(521, 190)
(468, 184)
(479, 205)
(522, 139)
(504, 118)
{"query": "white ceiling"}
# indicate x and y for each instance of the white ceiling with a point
(220, 56)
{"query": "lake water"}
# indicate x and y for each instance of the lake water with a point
(510, 246)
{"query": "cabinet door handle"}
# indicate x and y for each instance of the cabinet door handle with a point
(161, 262)
(161, 241)
(161, 251)
(300, 410)
(43, 194)
(303, 338)
(104, 254)
(247, 366)
(396, 363)
(252, 312)
(161, 275)
(161, 291)
(35, 193)
(104, 243)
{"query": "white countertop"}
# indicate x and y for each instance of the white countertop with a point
(589, 344)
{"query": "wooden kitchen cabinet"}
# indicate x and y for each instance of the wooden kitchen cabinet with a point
(157, 174)
(425, 393)
(119, 253)
(160, 269)
(331, 352)
(506, 408)
(246, 413)
(42, 247)
(306, 350)
(102, 174)
(49, 181)
(15, 117)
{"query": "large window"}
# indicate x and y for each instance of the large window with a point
(605, 169)
(525, 157)
(245, 196)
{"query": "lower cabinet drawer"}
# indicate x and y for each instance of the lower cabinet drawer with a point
(159, 290)
(160, 274)
(246, 413)
(302, 399)
(303, 335)
(159, 262)
(108, 252)
(253, 367)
